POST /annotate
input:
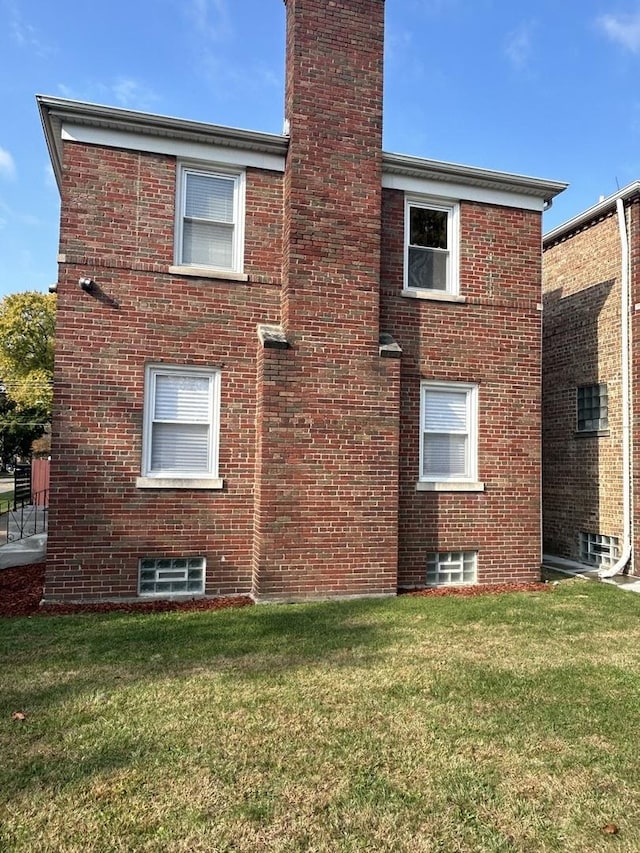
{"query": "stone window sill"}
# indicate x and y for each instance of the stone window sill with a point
(433, 295)
(205, 272)
(211, 483)
(449, 486)
(594, 433)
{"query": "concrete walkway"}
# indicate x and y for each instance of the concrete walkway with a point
(629, 583)
(15, 551)
(33, 549)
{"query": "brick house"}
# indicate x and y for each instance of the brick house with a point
(292, 366)
(591, 280)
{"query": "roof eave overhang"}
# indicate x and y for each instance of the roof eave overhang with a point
(418, 167)
(591, 215)
(54, 112)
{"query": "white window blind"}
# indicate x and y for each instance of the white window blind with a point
(181, 423)
(448, 450)
(209, 220)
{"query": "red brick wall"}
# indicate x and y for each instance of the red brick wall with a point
(100, 523)
(318, 442)
(329, 410)
(493, 339)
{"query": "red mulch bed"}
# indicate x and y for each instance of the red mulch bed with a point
(479, 589)
(21, 590)
(21, 593)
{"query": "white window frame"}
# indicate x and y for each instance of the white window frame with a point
(157, 478)
(469, 479)
(238, 178)
(441, 565)
(452, 209)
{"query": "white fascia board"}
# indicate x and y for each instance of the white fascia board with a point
(182, 149)
(593, 213)
(461, 192)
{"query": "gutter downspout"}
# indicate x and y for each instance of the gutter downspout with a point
(626, 432)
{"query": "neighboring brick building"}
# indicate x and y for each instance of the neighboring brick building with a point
(589, 455)
(293, 366)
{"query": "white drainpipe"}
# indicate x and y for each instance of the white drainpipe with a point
(625, 396)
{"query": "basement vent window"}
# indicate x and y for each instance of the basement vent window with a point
(598, 550)
(451, 567)
(171, 576)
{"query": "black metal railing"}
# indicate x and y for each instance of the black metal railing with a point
(21, 484)
(25, 517)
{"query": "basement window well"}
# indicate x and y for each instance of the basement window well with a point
(171, 576)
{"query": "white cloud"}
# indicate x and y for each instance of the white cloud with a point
(7, 165)
(432, 7)
(65, 91)
(49, 177)
(397, 43)
(8, 214)
(25, 34)
(123, 92)
(230, 83)
(133, 94)
(518, 46)
(622, 29)
(210, 18)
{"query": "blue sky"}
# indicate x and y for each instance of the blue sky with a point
(546, 88)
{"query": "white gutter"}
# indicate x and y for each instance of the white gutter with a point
(592, 214)
(625, 396)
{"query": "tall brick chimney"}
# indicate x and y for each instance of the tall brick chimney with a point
(328, 405)
(333, 105)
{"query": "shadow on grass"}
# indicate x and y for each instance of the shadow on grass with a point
(62, 666)
(56, 668)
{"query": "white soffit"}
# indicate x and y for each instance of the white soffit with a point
(183, 149)
(461, 192)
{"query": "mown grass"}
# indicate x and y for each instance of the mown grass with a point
(496, 723)
(6, 494)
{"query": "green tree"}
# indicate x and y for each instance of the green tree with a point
(18, 429)
(27, 326)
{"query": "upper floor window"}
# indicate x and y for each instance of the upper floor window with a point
(592, 408)
(210, 219)
(431, 246)
(449, 432)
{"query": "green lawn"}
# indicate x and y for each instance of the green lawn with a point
(6, 493)
(496, 723)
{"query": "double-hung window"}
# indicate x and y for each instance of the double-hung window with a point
(210, 220)
(181, 427)
(431, 247)
(449, 433)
